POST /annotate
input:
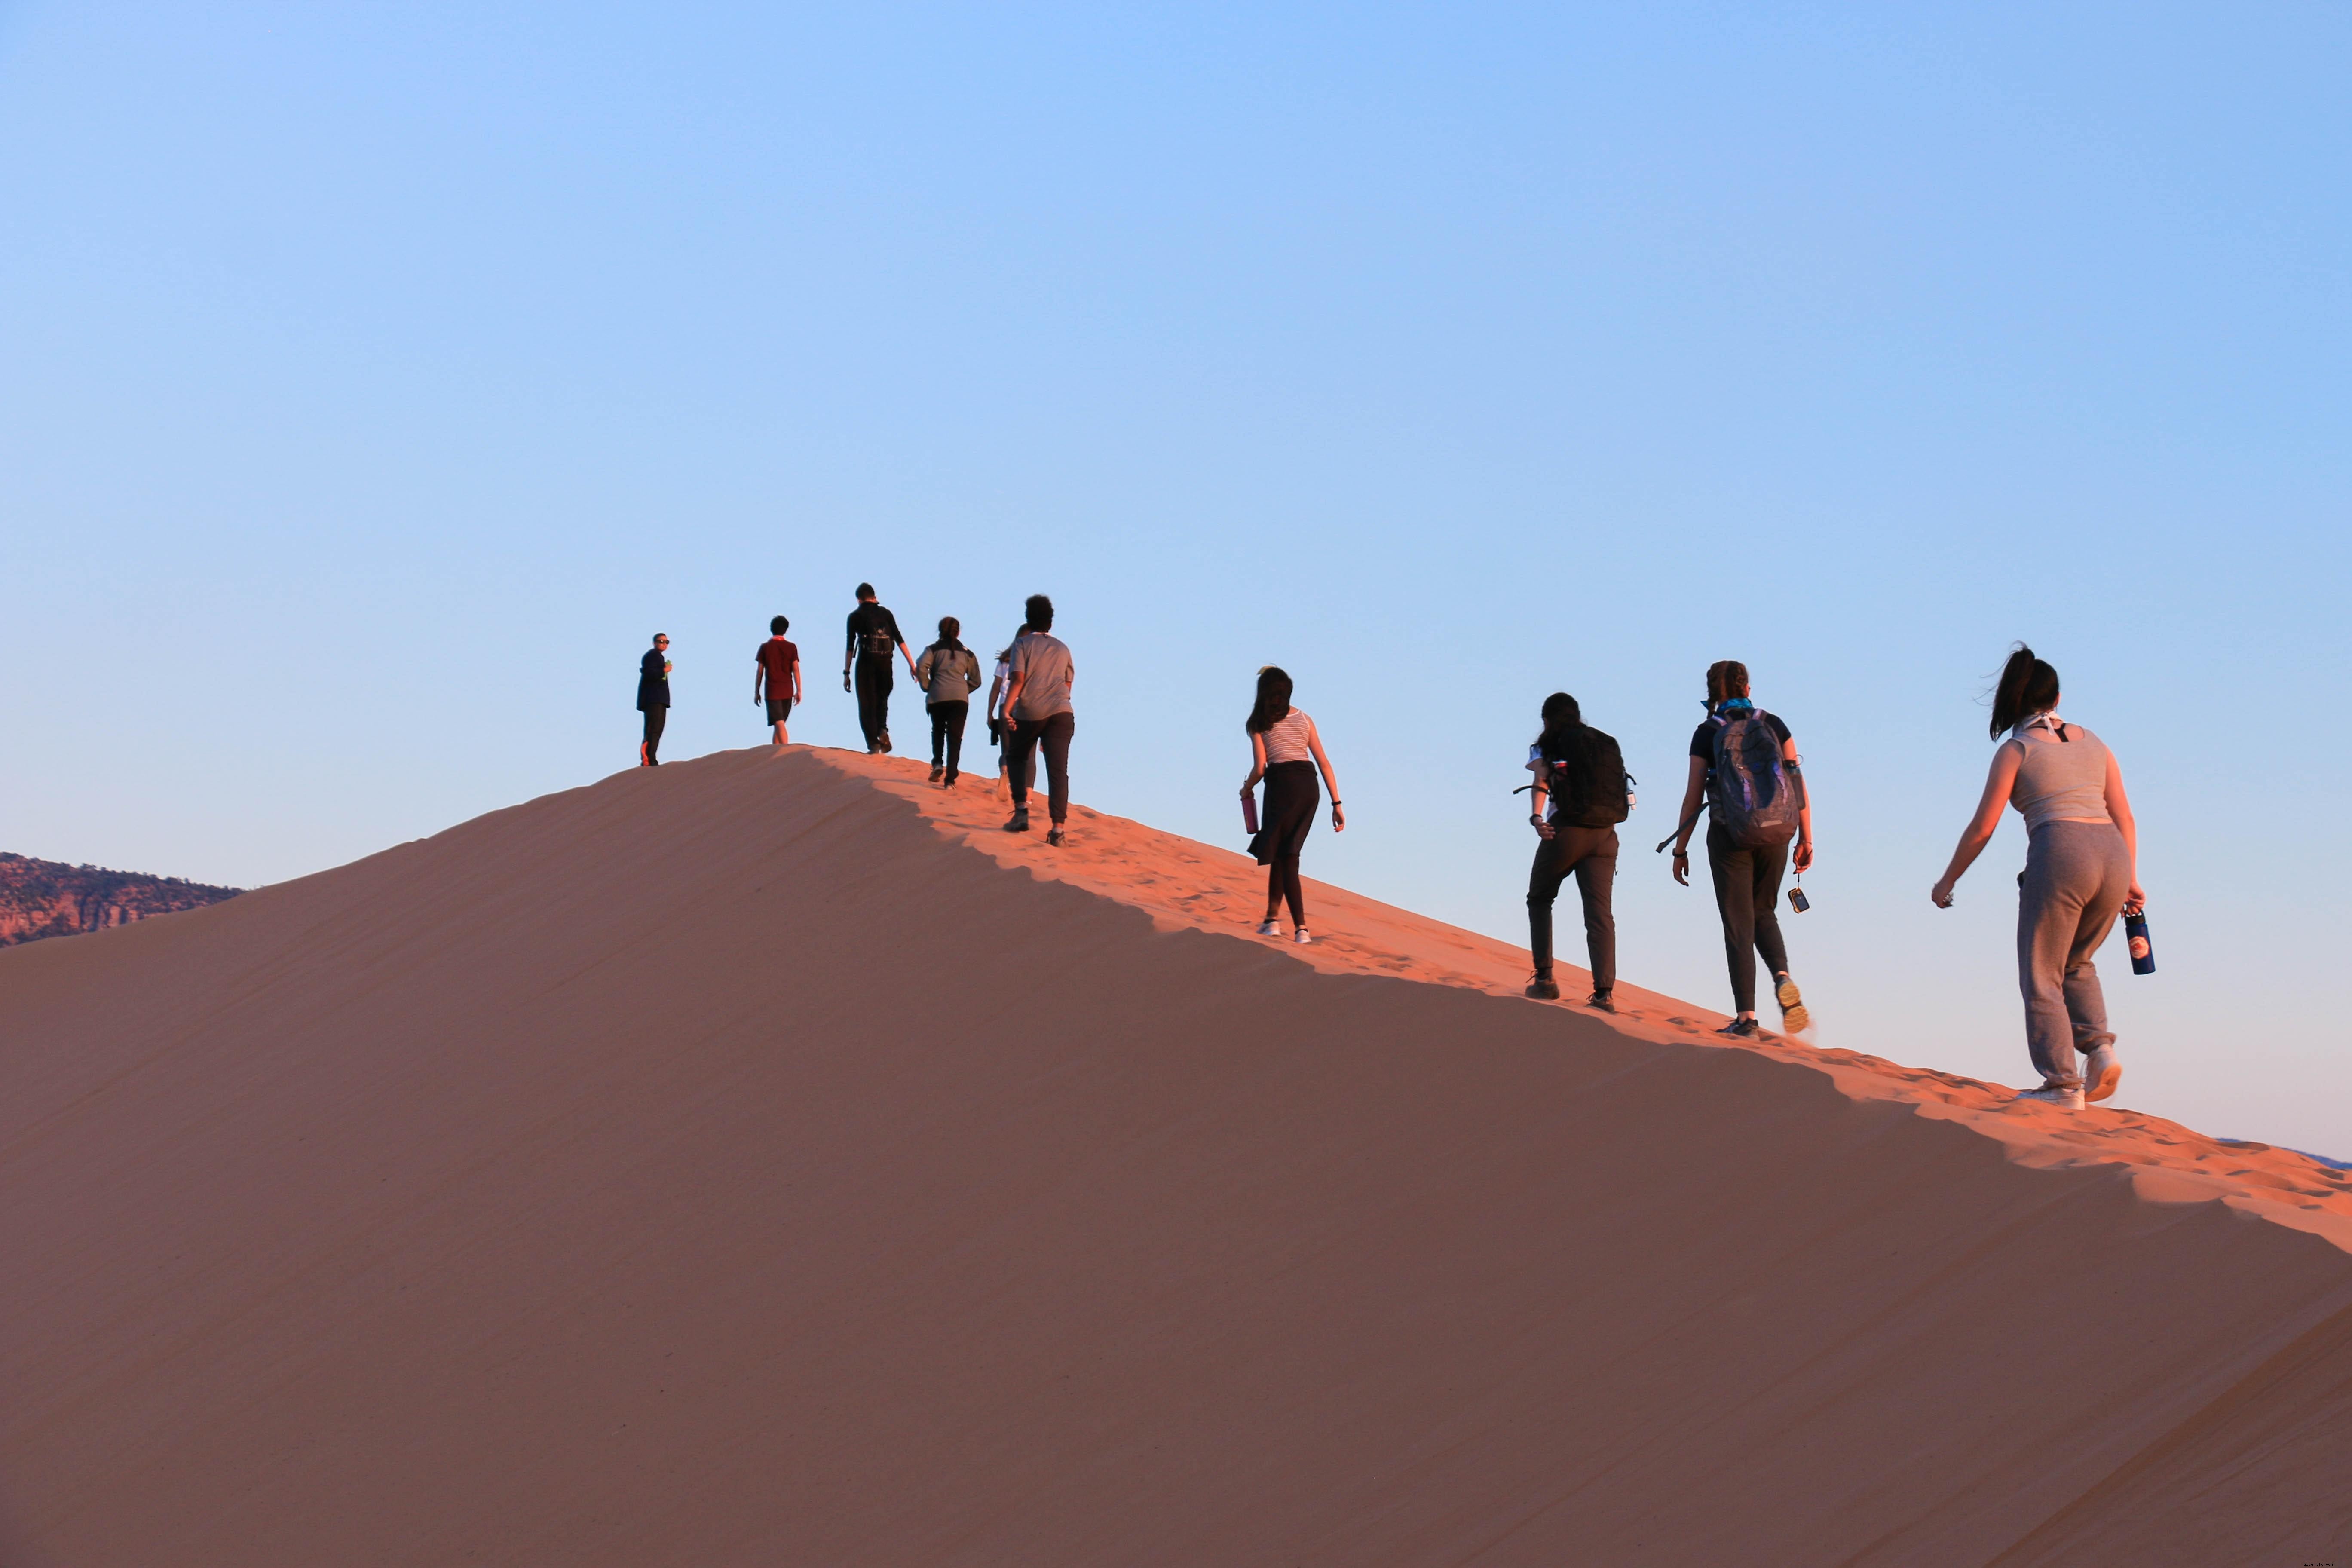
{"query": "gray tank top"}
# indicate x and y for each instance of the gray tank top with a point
(2061, 781)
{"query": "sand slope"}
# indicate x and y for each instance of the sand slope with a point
(755, 1161)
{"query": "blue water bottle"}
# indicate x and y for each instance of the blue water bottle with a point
(2143, 956)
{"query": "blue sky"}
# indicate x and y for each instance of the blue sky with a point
(374, 378)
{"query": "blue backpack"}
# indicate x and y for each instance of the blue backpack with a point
(1754, 792)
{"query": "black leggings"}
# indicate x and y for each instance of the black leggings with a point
(1590, 854)
(655, 719)
(1748, 897)
(1293, 791)
(947, 733)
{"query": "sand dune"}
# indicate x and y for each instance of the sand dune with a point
(761, 1160)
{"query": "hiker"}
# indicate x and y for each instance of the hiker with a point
(873, 633)
(776, 676)
(1037, 709)
(2082, 870)
(1286, 753)
(1580, 773)
(1744, 770)
(1000, 731)
(949, 674)
(653, 698)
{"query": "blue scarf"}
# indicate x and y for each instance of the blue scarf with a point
(1730, 706)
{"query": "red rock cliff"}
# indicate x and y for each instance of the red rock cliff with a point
(44, 898)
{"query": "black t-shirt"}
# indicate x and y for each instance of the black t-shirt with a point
(871, 620)
(1703, 738)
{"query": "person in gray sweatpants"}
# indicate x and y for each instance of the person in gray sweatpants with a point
(2080, 874)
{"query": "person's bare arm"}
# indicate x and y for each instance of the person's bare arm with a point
(1804, 859)
(1012, 695)
(1257, 762)
(2000, 779)
(2119, 807)
(1689, 819)
(759, 679)
(1330, 779)
(796, 677)
(908, 657)
(1537, 795)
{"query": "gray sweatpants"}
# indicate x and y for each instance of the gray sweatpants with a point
(2077, 875)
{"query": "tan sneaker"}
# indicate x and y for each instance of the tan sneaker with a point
(1794, 1019)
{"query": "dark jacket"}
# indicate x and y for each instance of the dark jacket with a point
(652, 684)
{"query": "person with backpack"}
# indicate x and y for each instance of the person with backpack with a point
(1580, 775)
(1744, 771)
(776, 677)
(949, 674)
(2082, 861)
(1287, 752)
(873, 633)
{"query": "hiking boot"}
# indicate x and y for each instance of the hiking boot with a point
(2101, 1073)
(938, 773)
(2055, 1094)
(1794, 1019)
(1600, 1002)
(1019, 823)
(1543, 988)
(1270, 928)
(1741, 1029)
(1054, 837)
(882, 742)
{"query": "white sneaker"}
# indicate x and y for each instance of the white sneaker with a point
(1301, 937)
(2052, 1094)
(2101, 1073)
(1269, 929)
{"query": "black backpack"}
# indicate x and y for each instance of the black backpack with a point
(1599, 794)
(1754, 793)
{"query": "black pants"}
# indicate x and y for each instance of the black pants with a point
(947, 733)
(1590, 855)
(655, 719)
(1053, 734)
(1748, 897)
(1293, 791)
(875, 678)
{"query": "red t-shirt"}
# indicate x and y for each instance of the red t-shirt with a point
(777, 656)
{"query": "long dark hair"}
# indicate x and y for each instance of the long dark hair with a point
(1273, 705)
(1563, 728)
(1562, 744)
(2027, 687)
(949, 628)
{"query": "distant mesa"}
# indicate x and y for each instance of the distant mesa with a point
(46, 898)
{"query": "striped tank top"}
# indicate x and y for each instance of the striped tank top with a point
(1286, 741)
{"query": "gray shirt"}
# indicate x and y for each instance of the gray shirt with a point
(948, 674)
(1042, 663)
(2059, 780)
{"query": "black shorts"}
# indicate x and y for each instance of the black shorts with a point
(778, 712)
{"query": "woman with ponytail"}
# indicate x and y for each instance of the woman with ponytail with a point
(2081, 871)
(1582, 774)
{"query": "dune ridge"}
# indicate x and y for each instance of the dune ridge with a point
(763, 1159)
